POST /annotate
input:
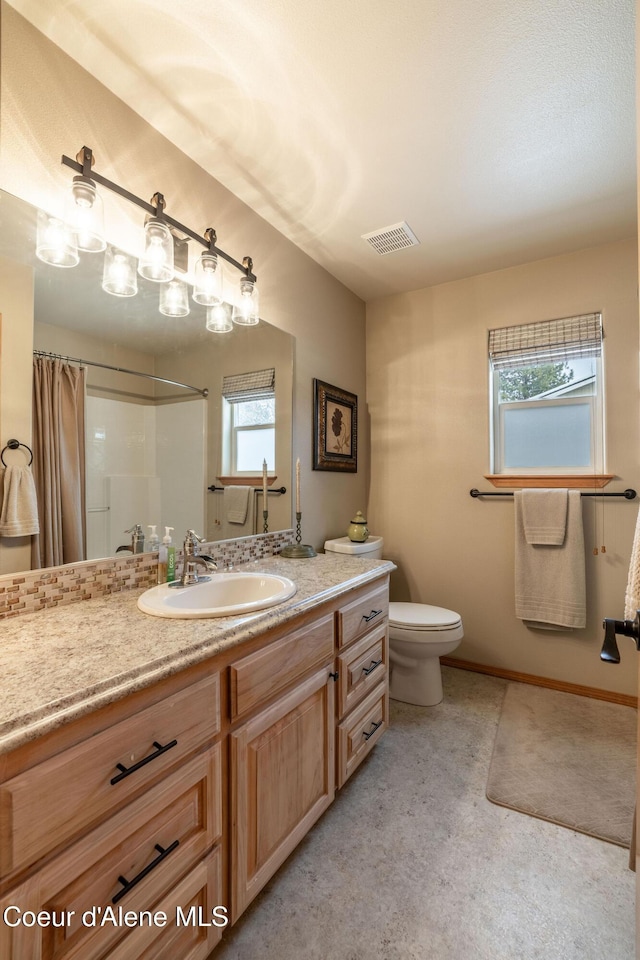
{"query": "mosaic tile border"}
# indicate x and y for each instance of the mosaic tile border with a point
(56, 586)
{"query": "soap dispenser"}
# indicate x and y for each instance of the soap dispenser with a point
(153, 540)
(358, 530)
(167, 558)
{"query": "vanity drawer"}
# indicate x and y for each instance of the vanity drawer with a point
(58, 799)
(367, 611)
(258, 677)
(362, 729)
(150, 844)
(361, 667)
(196, 896)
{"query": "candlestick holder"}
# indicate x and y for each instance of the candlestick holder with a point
(298, 550)
(265, 521)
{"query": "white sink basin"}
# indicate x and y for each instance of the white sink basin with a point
(224, 595)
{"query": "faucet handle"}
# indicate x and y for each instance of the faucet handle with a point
(194, 536)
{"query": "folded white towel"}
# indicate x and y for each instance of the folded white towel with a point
(632, 595)
(19, 514)
(550, 580)
(236, 503)
(544, 515)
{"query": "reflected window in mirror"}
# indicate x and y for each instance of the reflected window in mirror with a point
(251, 435)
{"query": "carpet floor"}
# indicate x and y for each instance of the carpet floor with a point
(412, 862)
(568, 759)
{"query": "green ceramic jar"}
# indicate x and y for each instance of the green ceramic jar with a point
(358, 530)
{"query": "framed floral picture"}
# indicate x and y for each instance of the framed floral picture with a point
(335, 427)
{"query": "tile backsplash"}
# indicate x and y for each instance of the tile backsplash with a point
(55, 586)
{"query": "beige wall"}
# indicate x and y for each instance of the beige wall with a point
(16, 344)
(427, 388)
(51, 106)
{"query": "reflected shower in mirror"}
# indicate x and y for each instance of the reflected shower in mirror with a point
(158, 432)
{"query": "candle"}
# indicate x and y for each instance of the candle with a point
(264, 485)
(298, 485)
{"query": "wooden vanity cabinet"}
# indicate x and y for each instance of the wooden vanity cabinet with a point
(188, 795)
(120, 811)
(363, 677)
(282, 758)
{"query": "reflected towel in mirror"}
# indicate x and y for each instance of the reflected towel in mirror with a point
(19, 514)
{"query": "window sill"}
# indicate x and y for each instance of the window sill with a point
(575, 481)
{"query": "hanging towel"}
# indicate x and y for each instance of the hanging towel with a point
(550, 579)
(544, 515)
(19, 513)
(632, 595)
(236, 503)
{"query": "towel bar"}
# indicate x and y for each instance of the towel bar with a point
(628, 494)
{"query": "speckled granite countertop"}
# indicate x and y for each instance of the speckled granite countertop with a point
(59, 664)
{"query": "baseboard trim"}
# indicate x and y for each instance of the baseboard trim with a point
(626, 699)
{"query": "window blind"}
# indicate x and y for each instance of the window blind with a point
(548, 341)
(257, 385)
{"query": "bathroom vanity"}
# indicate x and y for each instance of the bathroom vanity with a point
(156, 773)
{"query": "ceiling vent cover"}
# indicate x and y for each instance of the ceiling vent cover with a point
(388, 239)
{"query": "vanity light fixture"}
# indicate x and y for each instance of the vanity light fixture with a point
(58, 242)
(246, 306)
(207, 288)
(84, 213)
(156, 262)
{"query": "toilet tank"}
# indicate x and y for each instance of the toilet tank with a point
(371, 548)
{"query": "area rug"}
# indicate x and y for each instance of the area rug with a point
(568, 759)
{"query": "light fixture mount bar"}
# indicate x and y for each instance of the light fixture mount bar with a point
(246, 267)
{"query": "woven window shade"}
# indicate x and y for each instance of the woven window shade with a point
(257, 385)
(550, 341)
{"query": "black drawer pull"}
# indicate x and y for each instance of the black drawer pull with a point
(125, 771)
(371, 667)
(372, 615)
(374, 727)
(334, 676)
(128, 884)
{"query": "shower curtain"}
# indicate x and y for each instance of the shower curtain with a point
(58, 462)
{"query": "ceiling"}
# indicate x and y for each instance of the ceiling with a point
(500, 131)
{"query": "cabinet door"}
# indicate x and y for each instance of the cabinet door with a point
(282, 780)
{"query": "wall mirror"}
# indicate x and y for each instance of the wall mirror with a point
(152, 448)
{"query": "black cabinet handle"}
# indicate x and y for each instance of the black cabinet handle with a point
(125, 771)
(334, 676)
(371, 668)
(372, 615)
(128, 884)
(374, 727)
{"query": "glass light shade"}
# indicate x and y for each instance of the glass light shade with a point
(174, 299)
(245, 309)
(119, 275)
(156, 263)
(85, 215)
(55, 242)
(218, 319)
(207, 287)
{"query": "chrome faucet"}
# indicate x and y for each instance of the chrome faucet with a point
(193, 559)
(137, 540)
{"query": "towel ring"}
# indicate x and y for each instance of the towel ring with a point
(13, 445)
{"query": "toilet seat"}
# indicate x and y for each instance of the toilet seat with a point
(423, 618)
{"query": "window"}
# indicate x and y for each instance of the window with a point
(546, 397)
(249, 422)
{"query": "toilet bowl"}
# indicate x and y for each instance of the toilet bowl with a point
(419, 634)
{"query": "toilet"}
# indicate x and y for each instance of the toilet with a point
(419, 634)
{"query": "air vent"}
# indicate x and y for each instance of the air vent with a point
(388, 239)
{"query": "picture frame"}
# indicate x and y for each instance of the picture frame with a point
(335, 428)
